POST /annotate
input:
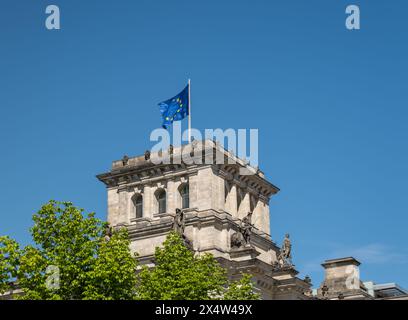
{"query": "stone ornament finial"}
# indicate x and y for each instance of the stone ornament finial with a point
(125, 160)
(193, 146)
(147, 155)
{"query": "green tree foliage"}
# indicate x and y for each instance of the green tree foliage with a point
(242, 289)
(179, 274)
(9, 256)
(71, 258)
(113, 276)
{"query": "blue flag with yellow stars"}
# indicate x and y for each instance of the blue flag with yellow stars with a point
(175, 108)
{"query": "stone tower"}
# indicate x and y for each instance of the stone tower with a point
(342, 281)
(215, 197)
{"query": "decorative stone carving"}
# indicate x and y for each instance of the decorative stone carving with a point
(285, 256)
(194, 145)
(160, 185)
(179, 224)
(308, 293)
(237, 240)
(125, 160)
(147, 155)
(246, 227)
(325, 291)
(108, 232)
(243, 236)
(277, 266)
(137, 189)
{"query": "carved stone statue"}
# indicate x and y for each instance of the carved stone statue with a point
(179, 223)
(285, 256)
(237, 240)
(246, 227)
(243, 236)
(286, 248)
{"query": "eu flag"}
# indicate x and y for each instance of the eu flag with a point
(175, 108)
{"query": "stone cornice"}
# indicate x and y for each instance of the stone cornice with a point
(142, 228)
(138, 170)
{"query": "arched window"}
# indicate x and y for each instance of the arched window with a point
(185, 196)
(161, 200)
(138, 204)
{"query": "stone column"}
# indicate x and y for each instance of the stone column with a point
(266, 217)
(123, 206)
(260, 217)
(231, 201)
(204, 189)
(148, 201)
(218, 192)
(172, 196)
(245, 206)
(210, 190)
(130, 210)
(193, 190)
(224, 239)
(113, 206)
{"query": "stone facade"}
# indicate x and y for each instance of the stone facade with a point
(342, 279)
(342, 282)
(219, 197)
(215, 199)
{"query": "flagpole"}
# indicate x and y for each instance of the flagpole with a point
(189, 111)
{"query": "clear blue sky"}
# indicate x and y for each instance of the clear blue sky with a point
(330, 105)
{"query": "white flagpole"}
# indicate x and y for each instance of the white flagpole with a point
(189, 111)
